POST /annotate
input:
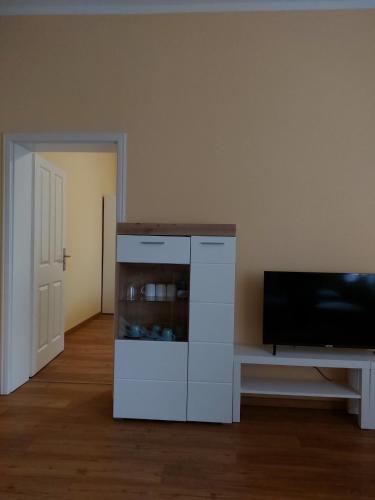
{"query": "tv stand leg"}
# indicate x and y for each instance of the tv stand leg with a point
(274, 349)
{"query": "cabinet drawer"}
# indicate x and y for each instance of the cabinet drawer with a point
(209, 402)
(211, 322)
(149, 399)
(147, 360)
(210, 362)
(212, 283)
(212, 249)
(153, 249)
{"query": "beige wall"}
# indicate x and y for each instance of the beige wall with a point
(266, 120)
(89, 176)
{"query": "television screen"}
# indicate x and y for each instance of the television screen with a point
(319, 309)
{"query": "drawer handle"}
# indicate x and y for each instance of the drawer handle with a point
(212, 242)
(152, 242)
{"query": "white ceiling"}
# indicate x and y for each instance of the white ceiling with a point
(55, 7)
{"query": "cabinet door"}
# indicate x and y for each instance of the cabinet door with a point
(212, 283)
(209, 402)
(210, 322)
(210, 362)
(147, 360)
(150, 399)
(153, 249)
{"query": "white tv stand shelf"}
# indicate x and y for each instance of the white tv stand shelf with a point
(360, 389)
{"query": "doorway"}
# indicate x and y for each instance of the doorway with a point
(18, 292)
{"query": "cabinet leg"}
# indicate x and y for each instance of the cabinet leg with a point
(371, 419)
(236, 391)
(364, 416)
(354, 380)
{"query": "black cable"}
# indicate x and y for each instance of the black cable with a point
(323, 374)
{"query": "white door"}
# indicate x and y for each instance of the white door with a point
(48, 336)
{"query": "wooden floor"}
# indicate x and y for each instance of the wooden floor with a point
(58, 441)
(87, 356)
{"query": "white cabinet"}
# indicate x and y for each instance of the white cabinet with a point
(186, 375)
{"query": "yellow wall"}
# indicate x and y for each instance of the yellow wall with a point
(89, 176)
(266, 120)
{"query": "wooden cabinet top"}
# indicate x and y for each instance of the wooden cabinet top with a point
(140, 228)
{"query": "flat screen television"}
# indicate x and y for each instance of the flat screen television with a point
(319, 309)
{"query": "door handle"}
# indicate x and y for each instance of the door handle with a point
(212, 242)
(65, 256)
(152, 242)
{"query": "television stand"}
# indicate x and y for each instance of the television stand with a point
(274, 349)
(359, 390)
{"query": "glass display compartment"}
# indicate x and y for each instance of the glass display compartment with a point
(153, 302)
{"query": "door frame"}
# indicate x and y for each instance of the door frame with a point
(34, 143)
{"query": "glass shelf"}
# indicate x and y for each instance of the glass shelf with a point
(157, 300)
(166, 313)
